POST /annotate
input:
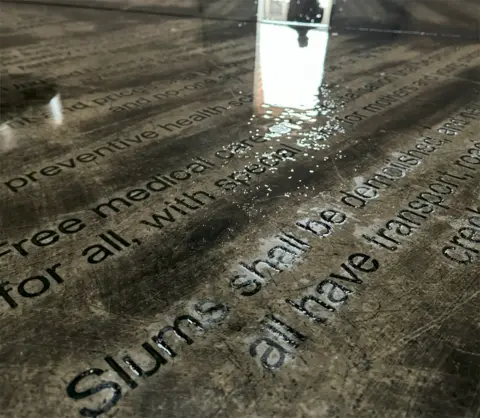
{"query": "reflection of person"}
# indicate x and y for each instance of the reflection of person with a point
(304, 11)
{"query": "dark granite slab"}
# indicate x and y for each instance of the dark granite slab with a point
(201, 217)
(435, 17)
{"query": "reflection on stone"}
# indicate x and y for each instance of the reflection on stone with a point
(312, 12)
(56, 111)
(291, 48)
(142, 204)
(289, 75)
(7, 138)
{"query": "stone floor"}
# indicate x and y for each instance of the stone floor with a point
(202, 215)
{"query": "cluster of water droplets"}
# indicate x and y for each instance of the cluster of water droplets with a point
(306, 129)
(309, 129)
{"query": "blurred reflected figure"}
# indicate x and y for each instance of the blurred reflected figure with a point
(304, 11)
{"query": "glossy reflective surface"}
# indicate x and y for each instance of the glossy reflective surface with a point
(207, 214)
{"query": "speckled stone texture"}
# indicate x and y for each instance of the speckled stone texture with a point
(180, 237)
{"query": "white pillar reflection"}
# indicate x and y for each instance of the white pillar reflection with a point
(7, 138)
(56, 110)
(292, 40)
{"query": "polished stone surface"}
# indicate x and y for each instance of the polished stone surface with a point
(302, 204)
(438, 17)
